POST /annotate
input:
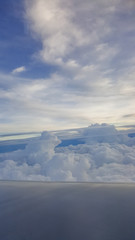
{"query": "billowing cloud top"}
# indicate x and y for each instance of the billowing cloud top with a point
(106, 156)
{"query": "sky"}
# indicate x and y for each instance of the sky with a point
(66, 64)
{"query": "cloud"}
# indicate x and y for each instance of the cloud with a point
(106, 156)
(85, 96)
(132, 115)
(81, 38)
(19, 70)
(65, 27)
(53, 24)
(93, 79)
(128, 126)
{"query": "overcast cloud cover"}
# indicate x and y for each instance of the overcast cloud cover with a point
(66, 64)
(106, 156)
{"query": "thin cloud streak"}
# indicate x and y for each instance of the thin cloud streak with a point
(19, 70)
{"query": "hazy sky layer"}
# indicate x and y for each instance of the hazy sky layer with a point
(66, 64)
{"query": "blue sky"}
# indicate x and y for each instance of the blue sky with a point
(66, 64)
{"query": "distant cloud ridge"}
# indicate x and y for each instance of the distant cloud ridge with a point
(106, 156)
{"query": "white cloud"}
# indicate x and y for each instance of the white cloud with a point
(106, 52)
(51, 21)
(94, 79)
(64, 27)
(106, 158)
(19, 70)
(86, 96)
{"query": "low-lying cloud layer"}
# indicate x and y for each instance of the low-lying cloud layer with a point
(106, 156)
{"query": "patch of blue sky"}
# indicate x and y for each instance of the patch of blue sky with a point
(17, 47)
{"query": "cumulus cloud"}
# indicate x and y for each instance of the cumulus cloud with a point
(106, 156)
(19, 70)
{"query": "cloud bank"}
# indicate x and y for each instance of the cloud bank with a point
(106, 156)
